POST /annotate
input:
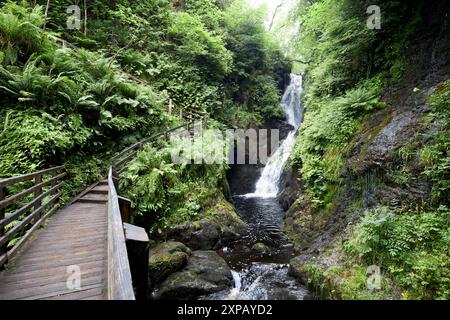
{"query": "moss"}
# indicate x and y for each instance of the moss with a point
(197, 225)
(373, 133)
(343, 282)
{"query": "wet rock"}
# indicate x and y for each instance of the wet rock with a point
(243, 177)
(165, 259)
(291, 186)
(205, 273)
(388, 132)
(219, 227)
(297, 270)
(259, 248)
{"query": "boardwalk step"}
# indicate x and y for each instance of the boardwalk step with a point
(93, 198)
(103, 187)
(97, 201)
(77, 236)
(98, 191)
(103, 183)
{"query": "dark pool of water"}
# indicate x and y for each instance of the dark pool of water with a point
(264, 217)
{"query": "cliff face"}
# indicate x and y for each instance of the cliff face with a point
(379, 170)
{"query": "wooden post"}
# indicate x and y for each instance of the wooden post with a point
(125, 209)
(137, 242)
(85, 18)
(37, 193)
(190, 119)
(170, 106)
(2, 216)
(54, 183)
(166, 137)
(181, 114)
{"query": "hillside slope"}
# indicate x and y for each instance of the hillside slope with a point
(384, 189)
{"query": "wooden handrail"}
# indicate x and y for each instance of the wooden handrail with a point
(120, 282)
(120, 286)
(40, 211)
(119, 161)
(26, 177)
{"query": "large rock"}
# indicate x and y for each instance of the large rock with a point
(216, 228)
(165, 259)
(205, 273)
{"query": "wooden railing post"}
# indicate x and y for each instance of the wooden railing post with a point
(54, 184)
(2, 216)
(137, 242)
(37, 193)
(181, 114)
(170, 106)
(189, 121)
(125, 209)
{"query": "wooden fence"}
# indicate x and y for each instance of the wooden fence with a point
(31, 214)
(120, 281)
(120, 285)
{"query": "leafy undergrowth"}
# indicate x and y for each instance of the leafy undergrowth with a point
(167, 192)
(412, 249)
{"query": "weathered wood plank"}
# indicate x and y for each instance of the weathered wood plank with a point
(27, 177)
(120, 285)
(77, 236)
(35, 214)
(29, 205)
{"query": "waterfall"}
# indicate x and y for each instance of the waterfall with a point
(268, 185)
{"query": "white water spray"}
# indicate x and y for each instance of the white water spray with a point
(268, 185)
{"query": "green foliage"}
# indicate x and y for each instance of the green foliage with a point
(61, 100)
(326, 129)
(348, 65)
(19, 31)
(411, 247)
(435, 156)
(165, 192)
(194, 44)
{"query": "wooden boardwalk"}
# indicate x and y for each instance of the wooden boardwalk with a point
(81, 253)
(75, 239)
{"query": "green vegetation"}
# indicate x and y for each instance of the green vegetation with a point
(326, 130)
(109, 86)
(166, 193)
(348, 65)
(412, 248)
(349, 69)
(78, 105)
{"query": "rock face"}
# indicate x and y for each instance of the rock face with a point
(205, 273)
(386, 178)
(243, 177)
(165, 259)
(220, 226)
(291, 187)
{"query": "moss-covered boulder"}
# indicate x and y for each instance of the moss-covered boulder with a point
(165, 259)
(205, 273)
(218, 226)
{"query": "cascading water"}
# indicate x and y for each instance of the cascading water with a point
(260, 259)
(268, 185)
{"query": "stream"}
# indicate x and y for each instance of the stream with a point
(260, 260)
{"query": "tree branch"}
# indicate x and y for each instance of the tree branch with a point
(275, 14)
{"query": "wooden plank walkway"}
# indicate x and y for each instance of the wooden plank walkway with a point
(75, 237)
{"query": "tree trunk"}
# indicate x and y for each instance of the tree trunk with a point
(46, 13)
(85, 18)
